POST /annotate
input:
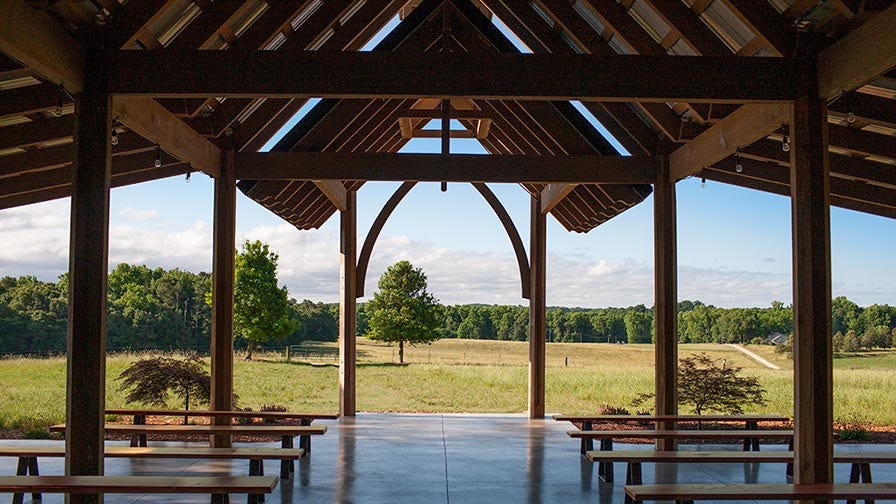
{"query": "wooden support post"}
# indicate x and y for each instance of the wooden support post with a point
(812, 353)
(446, 134)
(223, 270)
(88, 269)
(537, 250)
(666, 299)
(348, 245)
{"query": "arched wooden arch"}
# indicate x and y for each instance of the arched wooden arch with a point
(399, 194)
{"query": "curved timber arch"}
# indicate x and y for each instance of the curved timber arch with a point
(399, 194)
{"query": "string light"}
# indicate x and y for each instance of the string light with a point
(114, 139)
(785, 141)
(851, 117)
(703, 183)
(738, 167)
(60, 100)
(158, 162)
(187, 178)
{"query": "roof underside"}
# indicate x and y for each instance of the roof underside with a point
(36, 117)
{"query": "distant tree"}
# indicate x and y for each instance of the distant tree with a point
(707, 385)
(637, 326)
(851, 342)
(150, 381)
(837, 342)
(260, 308)
(402, 310)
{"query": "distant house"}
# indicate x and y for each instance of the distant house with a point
(776, 338)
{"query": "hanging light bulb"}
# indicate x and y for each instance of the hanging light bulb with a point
(114, 139)
(785, 141)
(850, 117)
(187, 178)
(59, 102)
(738, 167)
(703, 183)
(158, 162)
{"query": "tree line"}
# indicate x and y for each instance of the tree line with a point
(155, 308)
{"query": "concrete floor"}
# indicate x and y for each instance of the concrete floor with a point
(404, 458)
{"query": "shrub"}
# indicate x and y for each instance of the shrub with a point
(37, 434)
(243, 420)
(704, 384)
(272, 407)
(854, 429)
(606, 409)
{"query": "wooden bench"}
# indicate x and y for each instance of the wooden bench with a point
(605, 470)
(751, 422)
(286, 433)
(218, 487)
(688, 493)
(305, 419)
(860, 471)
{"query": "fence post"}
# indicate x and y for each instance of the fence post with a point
(287, 353)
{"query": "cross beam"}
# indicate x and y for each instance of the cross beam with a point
(444, 167)
(348, 74)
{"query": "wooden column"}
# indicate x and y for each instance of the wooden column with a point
(537, 250)
(348, 245)
(666, 299)
(88, 269)
(223, 267)
(812, 358)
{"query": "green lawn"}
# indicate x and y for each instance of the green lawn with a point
(463, 376)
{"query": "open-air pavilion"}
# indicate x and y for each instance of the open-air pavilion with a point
(793, 97)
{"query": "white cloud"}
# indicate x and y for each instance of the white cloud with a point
(36, 243)
(138, 215)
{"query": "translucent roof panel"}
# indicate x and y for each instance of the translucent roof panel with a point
(727, 25)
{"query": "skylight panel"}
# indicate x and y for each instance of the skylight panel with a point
(248, 16)
(380, 35)
(351, 11)
(600, 128)
(727, 25)
(181, 18)
(681, 48)
(589, 16)
(306, 13)
(513, 37)
(321, 40)
(290, 124)
(649, 19)
(619, 45)
(541, 12)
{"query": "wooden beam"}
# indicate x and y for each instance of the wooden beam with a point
(155, 123)
(348, 246)
(537, 275)
(518, 248)
(741, 128)
(88, 268)
(41, 44)
(437, 114)
(439, 167)
(223, 281)
(553, 194)
(374, 233)
(334, 191)
(177, 73)
(860, 56)
(812, 354)
(666, 299)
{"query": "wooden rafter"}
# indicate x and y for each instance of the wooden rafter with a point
(740, 129)
(867, 52)
(447, 75)
(438, 167)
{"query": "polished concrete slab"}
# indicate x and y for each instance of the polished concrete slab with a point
(444, 458)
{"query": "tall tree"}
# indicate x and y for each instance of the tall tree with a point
(402, 310)
(260, 308)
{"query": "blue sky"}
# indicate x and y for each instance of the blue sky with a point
(734, 245)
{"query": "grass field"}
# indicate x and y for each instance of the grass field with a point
(463, 376)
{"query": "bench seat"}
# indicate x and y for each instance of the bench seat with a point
(218, 487)
(688, 493)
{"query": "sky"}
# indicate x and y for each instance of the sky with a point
(734, 246)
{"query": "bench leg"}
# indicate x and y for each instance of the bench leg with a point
(220, 499)
(305, 439)
(587, 444)
(287, 467)
(632, 477)
(256, 468)
(605, 469)
(26, 466)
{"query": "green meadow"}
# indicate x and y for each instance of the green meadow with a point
(462, 376)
